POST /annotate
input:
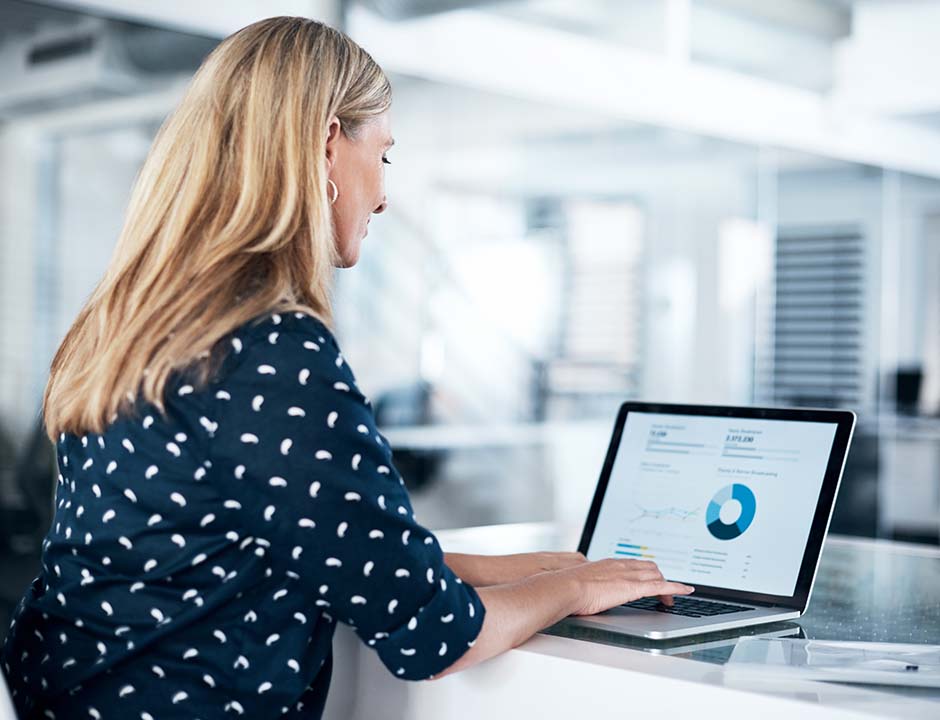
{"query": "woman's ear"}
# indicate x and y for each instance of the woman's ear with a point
(333, 132)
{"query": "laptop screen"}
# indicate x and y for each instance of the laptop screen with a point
(718, 501)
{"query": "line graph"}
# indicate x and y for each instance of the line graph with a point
(671, 512)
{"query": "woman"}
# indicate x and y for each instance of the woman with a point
(224, 497)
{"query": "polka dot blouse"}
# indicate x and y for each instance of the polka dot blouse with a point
(197, 566)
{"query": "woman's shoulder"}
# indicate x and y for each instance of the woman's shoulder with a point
(279, 342)
(269, 326)
(276, 334)
(281, 368)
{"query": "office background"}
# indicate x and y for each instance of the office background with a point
(710, 201)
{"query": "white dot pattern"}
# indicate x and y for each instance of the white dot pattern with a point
(198, 562)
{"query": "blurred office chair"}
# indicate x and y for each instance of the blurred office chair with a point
(23, 526)
(25, 519)
(856, 509)
(907, 385)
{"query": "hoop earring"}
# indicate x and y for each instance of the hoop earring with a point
(335, 191)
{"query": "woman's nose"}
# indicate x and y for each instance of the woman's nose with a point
(381, 207)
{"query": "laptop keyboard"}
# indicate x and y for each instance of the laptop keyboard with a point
(690, 607)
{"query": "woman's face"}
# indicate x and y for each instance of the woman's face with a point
(357, 166)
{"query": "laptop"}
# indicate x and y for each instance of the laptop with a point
(735, 501)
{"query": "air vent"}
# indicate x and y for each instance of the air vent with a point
(58, 67)
(819, 334)
(58, 50)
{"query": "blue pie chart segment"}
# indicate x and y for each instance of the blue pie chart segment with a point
(729, 531)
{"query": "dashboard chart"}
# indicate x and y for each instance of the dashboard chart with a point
(718, 501)
(719, 523)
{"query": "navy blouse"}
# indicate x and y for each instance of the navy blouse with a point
(198, 565)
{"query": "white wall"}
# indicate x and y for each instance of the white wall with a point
(917, 280)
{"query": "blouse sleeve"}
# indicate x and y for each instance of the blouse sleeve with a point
(314, 477)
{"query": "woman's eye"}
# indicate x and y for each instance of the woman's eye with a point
(386, 160)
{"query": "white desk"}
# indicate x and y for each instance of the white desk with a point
(563, 677)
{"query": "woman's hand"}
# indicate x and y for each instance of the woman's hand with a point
(607, 583)
(516, 611)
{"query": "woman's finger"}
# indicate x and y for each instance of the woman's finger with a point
(665, 587)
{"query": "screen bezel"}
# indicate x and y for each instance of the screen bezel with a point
(845, 424)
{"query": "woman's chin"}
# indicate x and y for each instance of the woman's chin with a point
(348, 259)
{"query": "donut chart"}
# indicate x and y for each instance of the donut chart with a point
(729, 531)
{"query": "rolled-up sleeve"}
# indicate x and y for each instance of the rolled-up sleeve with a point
(314, 477)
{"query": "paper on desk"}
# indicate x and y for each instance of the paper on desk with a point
(856, 662)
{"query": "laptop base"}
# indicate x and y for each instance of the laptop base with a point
(662, 626)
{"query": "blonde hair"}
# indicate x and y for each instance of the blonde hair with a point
(229, 218)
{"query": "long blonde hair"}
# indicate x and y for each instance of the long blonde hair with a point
(229, 218)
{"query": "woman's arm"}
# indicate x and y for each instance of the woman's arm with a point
(485, 570)
(317, 481)
(516, 611)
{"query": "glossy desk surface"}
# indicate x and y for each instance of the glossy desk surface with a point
(865, 589)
